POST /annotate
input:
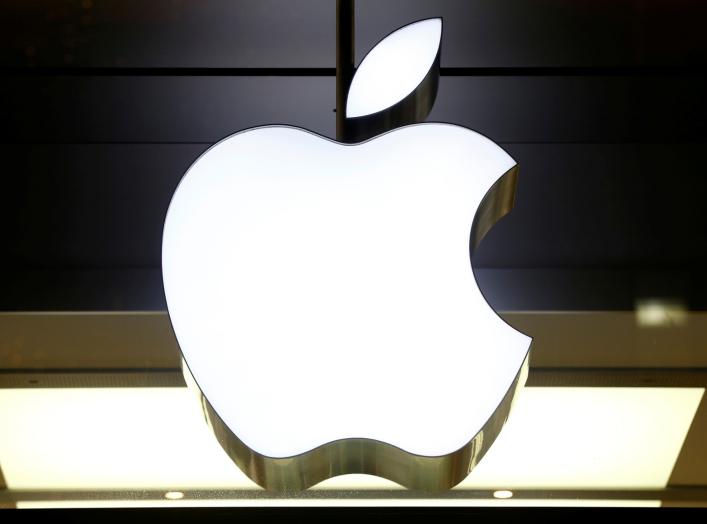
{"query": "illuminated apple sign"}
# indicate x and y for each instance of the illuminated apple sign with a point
(323, 298)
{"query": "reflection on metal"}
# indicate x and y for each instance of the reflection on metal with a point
(4, 502)
(366, 456)
(2, 479)
(496, 204)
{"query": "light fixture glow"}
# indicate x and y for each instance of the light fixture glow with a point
(394, 67)
(102, 438)
(661, 313)
(174, 495)
(502, 494)
(574, 450)
(155, 439)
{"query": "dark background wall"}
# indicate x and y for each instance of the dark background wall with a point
(105, 104)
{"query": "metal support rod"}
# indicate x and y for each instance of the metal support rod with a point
(344, 61)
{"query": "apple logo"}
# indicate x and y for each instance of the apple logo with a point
(322, 293)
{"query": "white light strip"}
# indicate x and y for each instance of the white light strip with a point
(155, 438)
(93, 439)
(589, 438)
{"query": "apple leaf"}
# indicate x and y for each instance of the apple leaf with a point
(394, 68)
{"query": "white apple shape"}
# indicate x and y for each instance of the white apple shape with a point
(394, 67)
(322, 293)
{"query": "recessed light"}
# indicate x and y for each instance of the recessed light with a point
(502, 494)
(661, 313)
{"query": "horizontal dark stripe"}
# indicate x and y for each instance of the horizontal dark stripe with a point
(603, 370)
(330, 71)
(681, 492)
(167, 71)
(562, 109)
(501, 143)
(616, 377)
(60, 371)
(538, 377)
(577, 71)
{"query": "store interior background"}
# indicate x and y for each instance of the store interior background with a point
(104, 105)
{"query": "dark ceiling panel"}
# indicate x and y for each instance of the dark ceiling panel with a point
(549, 33)
(578, 206)
(576, 108)
(90, 206)
(205, 109)
(160, 109)
(301, 33)
(168, 33)
(610, 145)
(603, 206)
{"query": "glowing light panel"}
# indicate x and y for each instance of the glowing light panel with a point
(155, 439)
